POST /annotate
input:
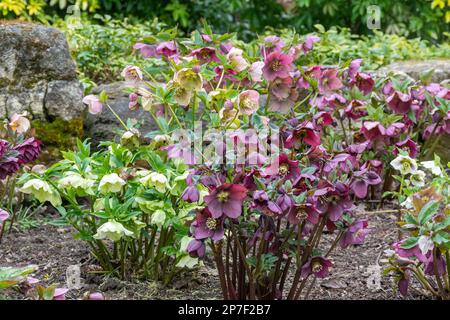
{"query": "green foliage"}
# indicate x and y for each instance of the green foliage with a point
(10, 276)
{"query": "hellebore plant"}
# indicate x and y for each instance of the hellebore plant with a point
(18, 148)
(423, 252)
(125, 203)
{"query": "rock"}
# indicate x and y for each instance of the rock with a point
(415, 69)
(334, 284)
(104, 126)
(38, 75)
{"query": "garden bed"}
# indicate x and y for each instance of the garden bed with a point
(54, 249)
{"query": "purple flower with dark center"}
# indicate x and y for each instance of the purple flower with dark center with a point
(395, 129)
(277, 65)
(29, 150)
(167, 49)
(333, 200)
(329, 81)
(302, 134)
(190, 194)
(344, 162)
(364, 82)
(226, 200)
(205, 55)
(362, 180)
(322, 119)
(282, 167)
(281, 87)
(196, 248)
(355, 234)
(262, 202)
(206, 226)
(332, 101)
(357, 148)
(373, 130)
(400, 102)
(318, 266)
(4, 145)
(409, 145)
(146, 50)
(8, 167)
(303, 211)
(411, 252)
(356, 109)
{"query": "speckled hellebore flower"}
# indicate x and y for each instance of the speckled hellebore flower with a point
(132, 74)
(112, 230)
(206, 226)
(399, 102)
(226, 200)
(282, 167)
(94, 104)
(196, 248)
(318, 266)
(404, 164)
(42, 191)
(329, 81)
(355, 234)
(248, 102)
(29, 150)
(189, 79)
(205, 55)
(19, 123)
(277, 65)
(237, 61)
(303, 211)
(362, 180)
(111, 183)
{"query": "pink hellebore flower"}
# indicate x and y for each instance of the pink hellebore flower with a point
(134, 101)
(318, 266)
(302, 134)
(281, 88)
(308, 44)
(236, 60)
(364, 179)
(282, 167)
(96, 296)
(283, 105)
(354, 68)
(4, 145)
(364, 82)
(206, 226)
(19, 123)
(94, 104)
(277, 65)
(226, 200)
(408, 145)
(329, 81)
(255, 71)
(356, 109)
(167, 49)
(399, 102)
(272, 43)
(205, 55)
(248, 102)
(355, 234)
(132, 74)
(146, 50)
(60, 294)
(373, 130)
(3, 215)
(196, 248)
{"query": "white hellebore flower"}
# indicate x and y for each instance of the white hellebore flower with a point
(112, 230)
(75, 180)
(111, 183)
(404, 164)
(418, 178)
(435, 169)
(42, 191)
(158, 218)
(156, 180)
(407, 204)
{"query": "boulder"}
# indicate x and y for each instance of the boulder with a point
(105, 126)
(38, 75)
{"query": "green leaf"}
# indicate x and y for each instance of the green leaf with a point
(428, 211)
(409, 243)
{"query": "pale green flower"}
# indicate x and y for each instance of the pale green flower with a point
(187, 262)
(76, 181)
(111, 183)
(188, 79)
(404, 164)
(418, 178)
(148, 206)
(156, 180)
(42, 191)
(158, 218)
(112, 230)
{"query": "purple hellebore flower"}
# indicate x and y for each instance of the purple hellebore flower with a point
(29, 150)
(262, 202)
(395, 129)
(3, 147)
(355, 234)
(277, 65)
(283, 105)
(364, 82)
(411, 252)
(357, 148)
(441, 266)
(8, 167)
(322, 119)
(190, 194)
(319, 266)
(281, 87)
(205, 55)
(354, 68)
(206, 226)
(409, 145)
(60, 294)
(146, 50)
(399, 102)
(303, 133)
(308, 44)
(226, 200)
(285, 202)
(343, 161)
(3, 215)
(329, 81)
(282, 167)
(373, 130)
(356, 109)
(96, 296)
(134, 101)
(362, 180)
(333, 200)
(303, 211)
(196, 248)
(94, 104)
(167, 49)
(403, 282)
(271, 44)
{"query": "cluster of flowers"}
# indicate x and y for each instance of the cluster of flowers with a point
(339, 130)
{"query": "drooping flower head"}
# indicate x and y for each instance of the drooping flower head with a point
(146, 50)
(4, 145)
(226, 200)
(355, 234)
(189, 80)
(8, 166)
(262, 202)
(237, 61)
(196, 248)
(112, 230)
(132, 73)
(167, 49)
(399, 102)
(318, 266)
(282, 167)
(94, 104)
(255, 71)
(329, 81)
(248, 102)
(29, 150)
(19, 123)
(404, 164)
(362, 180)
